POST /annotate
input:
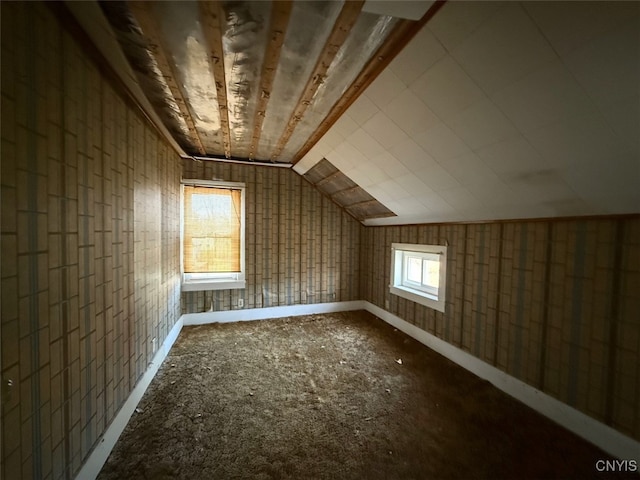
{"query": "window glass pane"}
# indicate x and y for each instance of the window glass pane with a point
(414, 265)
(431, 273)
(212, 223)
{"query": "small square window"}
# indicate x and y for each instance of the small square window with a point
(418, 273)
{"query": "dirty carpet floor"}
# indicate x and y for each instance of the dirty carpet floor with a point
(335, 396)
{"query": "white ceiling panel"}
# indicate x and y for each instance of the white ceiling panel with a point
(417, 57)
(394, 169)
(502, 110)
(411, 183)
(503, 49)
(375, 173)
(545, 96)
(410, 114)
(459, 198)
(386, 87)
(568, 25)
(393, 190)
(482, 124)
(411, 155)
(345, 157)
(465, 168)
(512, 156)
(457, 20)
(620, 175)
(362, 109)
(437, 178)
(608, 66)
(364, 143)
(446, 89)
(384, 130)
(624, 119)
(577, 140)
(441, 143)
(435, 203)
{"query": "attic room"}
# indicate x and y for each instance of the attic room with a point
(461, 173)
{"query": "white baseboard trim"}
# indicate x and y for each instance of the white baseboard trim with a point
(96, 460)
(599, 434)
(100, 453)
(266, 313)
(595, 432)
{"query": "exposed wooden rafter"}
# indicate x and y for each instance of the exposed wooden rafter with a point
(401, 35)
(213, 17)
(347, 191)
(343, 25)
(366, 203)
(151, 30)
(330, 178)
(280, 14)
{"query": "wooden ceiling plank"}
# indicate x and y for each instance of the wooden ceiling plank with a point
(401, 35)
(379, 215)
(363, 204)
(342, 27)
(347, 191)
(151, 30)
(213, 20)
(280, 15)
(329, 178)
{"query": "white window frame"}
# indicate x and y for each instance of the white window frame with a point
(213, 281)
(418, 292)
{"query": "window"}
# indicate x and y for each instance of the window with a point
(212, 235)
(418, 273)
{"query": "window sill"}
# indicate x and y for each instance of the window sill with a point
(417, 296)
(201, 285)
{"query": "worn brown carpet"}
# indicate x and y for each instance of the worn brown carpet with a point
(336, 396)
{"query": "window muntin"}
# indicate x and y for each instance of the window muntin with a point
(421, 271)
(418, 273)
(212, 235)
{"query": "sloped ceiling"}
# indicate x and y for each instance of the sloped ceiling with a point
(494, 110)
(253, 80)
(499, 111)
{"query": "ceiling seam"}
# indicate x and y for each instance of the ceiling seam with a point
(343, 25)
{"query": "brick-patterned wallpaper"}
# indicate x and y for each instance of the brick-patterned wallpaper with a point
(555, 304)
(300, 247)
(90, 252)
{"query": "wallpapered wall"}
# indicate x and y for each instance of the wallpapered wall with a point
(90, 247)
(90, 264)
(554, 304)
(300, 247)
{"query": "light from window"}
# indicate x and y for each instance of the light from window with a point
(212, 235)
(418, 273)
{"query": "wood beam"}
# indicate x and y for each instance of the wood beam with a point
(336, 196)
(329, 178)
(213, 20)
(343, 25)
(151, 30)
(399, 37)
(280, 14)
(363, 204)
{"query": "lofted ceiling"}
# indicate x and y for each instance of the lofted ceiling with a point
(254, 80)
(501, 110)
(490, 110)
